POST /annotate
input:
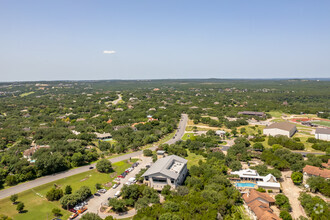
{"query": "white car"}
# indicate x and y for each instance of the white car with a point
(117, 194)
(115, 186)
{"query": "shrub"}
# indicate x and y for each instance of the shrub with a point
(285, 215)
(261, 190)
(56, 212)
(147, 153)
(297, 178)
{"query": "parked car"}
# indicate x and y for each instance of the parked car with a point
(74, 215)
(82, 210)
(97, 194)
(124, 174)
(91, 168)
(117, 194)
(73, 210)
(102, 191)
(115, 186)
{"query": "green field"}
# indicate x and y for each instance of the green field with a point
(275, 114)
(322, 123)
(187, 136)
(26, 94)
(193, 159)
(38, 207)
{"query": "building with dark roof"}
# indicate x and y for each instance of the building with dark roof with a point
(259, 114)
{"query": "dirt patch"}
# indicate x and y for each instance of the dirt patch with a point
(109, 184)
(86, 178)
(112, 175)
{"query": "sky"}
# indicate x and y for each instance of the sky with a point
(154, 39)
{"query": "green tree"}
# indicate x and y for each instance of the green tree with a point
(20, 207)
(147, 153)
(118, 205)
(11, 180)
(14, 198)
(285, 215)
(166, 190)
(91, 216)
(104, 166)
(68, 190)
(98, 186)
(54, 194)
(57, 212)
(297, 178)
(169, 216)
(258, 147)
(282, 202)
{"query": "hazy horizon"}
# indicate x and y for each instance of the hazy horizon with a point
(98, 40)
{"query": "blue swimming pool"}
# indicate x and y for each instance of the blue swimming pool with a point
(251, 185)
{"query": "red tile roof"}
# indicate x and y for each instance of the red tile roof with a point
(316, 171)
(260, 209)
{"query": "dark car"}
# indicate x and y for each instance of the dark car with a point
(72, 210)
(91, 168)
(97, 194)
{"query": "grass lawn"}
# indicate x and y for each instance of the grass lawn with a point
(275, 114)
(26, 94)
(193, 159)
(38, 207)
(187, 136)
(322, 123)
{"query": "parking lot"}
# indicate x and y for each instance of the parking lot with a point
(95, 203)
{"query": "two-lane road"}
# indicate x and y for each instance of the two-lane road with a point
(50, 178)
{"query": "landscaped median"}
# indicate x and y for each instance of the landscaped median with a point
(38, 207)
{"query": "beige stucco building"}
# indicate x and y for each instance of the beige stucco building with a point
(281, 128)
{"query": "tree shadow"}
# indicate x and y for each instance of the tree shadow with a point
(24, 211)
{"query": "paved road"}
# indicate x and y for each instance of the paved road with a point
(306, 152)
(50, 178)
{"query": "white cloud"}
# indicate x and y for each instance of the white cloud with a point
(109, 51)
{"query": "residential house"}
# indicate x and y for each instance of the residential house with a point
(171, 170)
(28, 153)
(326, 165)
(309, 171)
(267, 182)
(258, 205)
(103, 135)
(281, 128)
(221, 133)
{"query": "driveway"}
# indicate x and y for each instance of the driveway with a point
(50, 178)
(292, 192)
